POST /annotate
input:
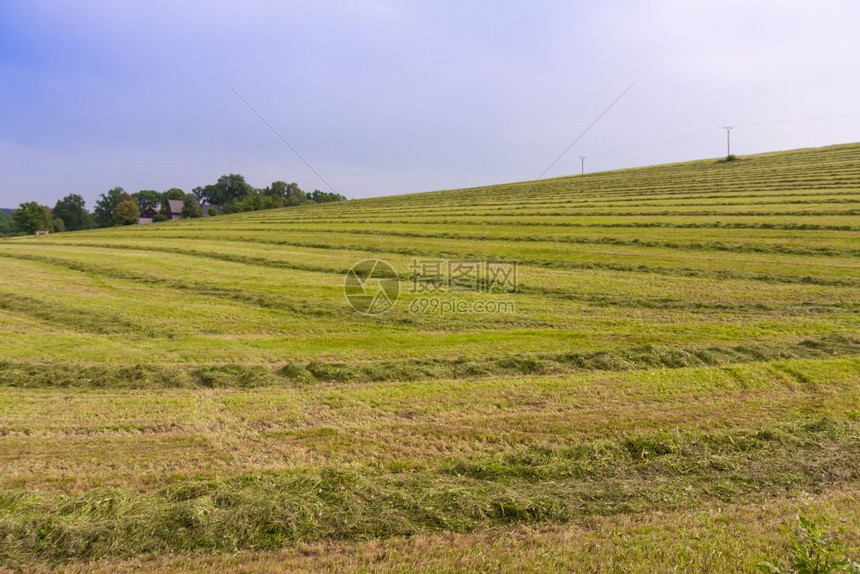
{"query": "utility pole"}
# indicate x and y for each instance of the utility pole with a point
(728, 140)
(582, 161)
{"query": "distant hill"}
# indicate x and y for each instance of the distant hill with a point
(8, 210)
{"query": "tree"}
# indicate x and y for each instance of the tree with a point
(324, 196)
(276, 189)
(72, 211)
(289, 193)
(7, 226)
(254, 201)
(207, 194)
(126, 211)
(147, 198)
(190, 207)
(105, 206)
(231, 187)
(31, 217)
(58, 224)
(174, 193)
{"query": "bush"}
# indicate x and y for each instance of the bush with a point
(126, 211)
(811, 551)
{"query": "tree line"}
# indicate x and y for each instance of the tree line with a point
(230, 194)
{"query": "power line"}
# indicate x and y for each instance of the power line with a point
(797, 121)
(555, 161)
(691, 135)
(651, 144)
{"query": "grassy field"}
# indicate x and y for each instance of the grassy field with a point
(679, 379)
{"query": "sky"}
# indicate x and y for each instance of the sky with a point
(399, 97)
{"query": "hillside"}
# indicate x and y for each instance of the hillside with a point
(675, 374)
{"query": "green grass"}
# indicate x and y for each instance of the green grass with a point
(685, 346)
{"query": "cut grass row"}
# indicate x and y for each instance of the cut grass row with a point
(842, 247)
(141, 376)
(835, 239)
(728, 538)
(764, 223)
(647, 473)
(766, 267)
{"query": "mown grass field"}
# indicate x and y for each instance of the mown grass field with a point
(680, 378)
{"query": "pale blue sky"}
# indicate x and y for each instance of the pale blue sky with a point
(398, 97)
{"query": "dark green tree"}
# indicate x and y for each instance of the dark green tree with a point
(276, 189)
(126, 212)
(231, 187)
(31, 217)
(173, 193)
(289, 193)
(7, 226)
(207, 194)
(324, 196)
(254, 201)
(146, 198)
(72, 211)
(190, 207)
(106, 205)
